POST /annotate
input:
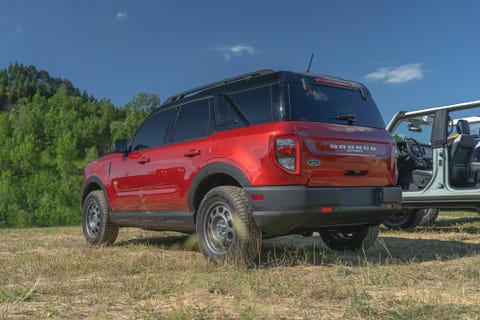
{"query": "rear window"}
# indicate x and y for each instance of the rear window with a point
(333, 105)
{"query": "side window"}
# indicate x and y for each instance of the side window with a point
(226, 117)
(152, 132)
(418, 128)
(414, 151)
(193, 121)
(255, 104)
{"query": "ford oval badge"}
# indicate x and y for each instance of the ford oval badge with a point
(313, 162)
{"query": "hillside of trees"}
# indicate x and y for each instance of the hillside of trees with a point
(49, 130)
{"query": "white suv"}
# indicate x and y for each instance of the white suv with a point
(438, 161)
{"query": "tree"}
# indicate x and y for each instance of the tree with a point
(135, 112)
(49, 131)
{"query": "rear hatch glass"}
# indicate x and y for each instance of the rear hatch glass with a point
(330, 104)
(343, 137)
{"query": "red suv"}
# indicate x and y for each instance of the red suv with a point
(259, 155)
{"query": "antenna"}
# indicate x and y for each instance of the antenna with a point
(310, 63)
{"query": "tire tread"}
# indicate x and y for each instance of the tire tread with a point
(109, 231)
(249, 236)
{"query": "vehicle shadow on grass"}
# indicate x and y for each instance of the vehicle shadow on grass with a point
(388, 250)
(169, 242)
(294, 250)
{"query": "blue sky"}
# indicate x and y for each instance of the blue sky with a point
(411, 54)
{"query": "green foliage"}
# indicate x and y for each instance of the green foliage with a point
(135, 111)
(19, 81)
(48, 133)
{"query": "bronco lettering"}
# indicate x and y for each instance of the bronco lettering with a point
(353, 148)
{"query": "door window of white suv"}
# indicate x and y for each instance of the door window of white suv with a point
(418, 128)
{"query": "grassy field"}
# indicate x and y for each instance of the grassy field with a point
(431, 273)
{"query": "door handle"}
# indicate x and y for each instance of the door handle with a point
(143, 160)
(192, 153)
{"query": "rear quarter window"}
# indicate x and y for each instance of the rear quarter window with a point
(325, 104)
(255, 104)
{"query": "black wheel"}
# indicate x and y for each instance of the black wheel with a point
(97, 227)
(226, 228)
(429, 216)
(362, 238)
(401, 220)
(409, 219)
(425, 217)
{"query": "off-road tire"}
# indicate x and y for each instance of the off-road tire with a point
(402, 219)
(226, 230)
(409, 219)
(97, 228)
(362, 238)
(429, 216)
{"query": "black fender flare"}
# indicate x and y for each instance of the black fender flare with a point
(214, 168)
(97, 181)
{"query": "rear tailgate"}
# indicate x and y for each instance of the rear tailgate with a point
(343, 155)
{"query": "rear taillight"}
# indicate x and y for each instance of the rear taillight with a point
(287, 153)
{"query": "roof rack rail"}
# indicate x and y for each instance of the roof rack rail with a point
(218, 83)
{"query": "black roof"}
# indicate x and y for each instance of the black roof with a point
(259, 77)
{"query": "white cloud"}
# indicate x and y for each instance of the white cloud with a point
(402, 74)
(121, 15)
(236, 51)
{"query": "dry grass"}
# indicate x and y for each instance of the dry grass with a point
(432, 273)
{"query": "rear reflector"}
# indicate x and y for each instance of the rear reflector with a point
(389, 206)
(327, 210)
(257, 197)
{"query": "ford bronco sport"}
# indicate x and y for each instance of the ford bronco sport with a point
(438, 161)
(259, 155)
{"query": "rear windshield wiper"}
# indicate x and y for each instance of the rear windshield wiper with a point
(350, 118)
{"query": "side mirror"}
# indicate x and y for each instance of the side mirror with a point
(119, 146)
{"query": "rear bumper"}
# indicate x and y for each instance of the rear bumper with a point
(289, 208)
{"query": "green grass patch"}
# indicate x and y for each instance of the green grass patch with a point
(421, 274)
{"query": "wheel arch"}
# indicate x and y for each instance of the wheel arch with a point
(211, 176)
(93, 183)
